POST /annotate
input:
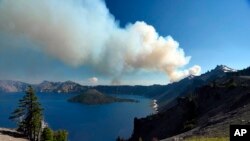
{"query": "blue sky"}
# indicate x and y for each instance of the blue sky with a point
(212, 32)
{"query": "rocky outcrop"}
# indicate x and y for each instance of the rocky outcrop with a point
(11, 135)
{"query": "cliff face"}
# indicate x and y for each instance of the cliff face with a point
(209, 109)
(12, 86)
(162, 125)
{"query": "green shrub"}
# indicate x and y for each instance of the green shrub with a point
(61, 135)
(47, 134)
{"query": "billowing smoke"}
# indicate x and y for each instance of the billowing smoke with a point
(83, 32)
(93, 80)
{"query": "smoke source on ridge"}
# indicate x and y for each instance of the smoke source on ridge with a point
(83, 32)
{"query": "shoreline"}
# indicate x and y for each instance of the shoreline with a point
(155, 105)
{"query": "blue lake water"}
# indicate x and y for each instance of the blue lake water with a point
(83, 122)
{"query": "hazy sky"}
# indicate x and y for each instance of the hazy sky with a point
(211, 32)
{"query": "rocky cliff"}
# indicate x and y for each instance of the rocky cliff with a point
(206, 111)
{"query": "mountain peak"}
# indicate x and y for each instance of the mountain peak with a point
(191, 76)
(224, 68)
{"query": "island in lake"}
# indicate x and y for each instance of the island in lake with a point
(93, 97)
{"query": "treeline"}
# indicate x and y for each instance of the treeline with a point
(244, 72)
(29, 119)
(50, 135)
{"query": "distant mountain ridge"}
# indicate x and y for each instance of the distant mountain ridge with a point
(12, 86)
(73, 87)
(60, 87)
(163, 93)
(45, 86)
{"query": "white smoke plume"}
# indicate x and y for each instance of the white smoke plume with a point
(93, 80)
(83, 32)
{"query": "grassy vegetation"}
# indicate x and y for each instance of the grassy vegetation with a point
(207, 139)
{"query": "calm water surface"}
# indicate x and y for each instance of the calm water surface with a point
(83, 122)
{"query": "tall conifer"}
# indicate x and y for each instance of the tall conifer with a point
(28, 115)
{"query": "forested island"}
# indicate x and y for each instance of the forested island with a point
(92, 97)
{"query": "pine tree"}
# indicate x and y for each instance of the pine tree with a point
(47, 134)
(50, 135)
(60, 135)
(28, 115)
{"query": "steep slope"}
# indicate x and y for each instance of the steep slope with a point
(208, 110)
(12, 86)
(187, 85)
(244, 72)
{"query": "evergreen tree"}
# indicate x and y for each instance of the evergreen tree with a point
(50, 135)
(28, 115)
(47, 134)
(60, 135)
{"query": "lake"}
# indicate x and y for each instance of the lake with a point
(83, 122)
